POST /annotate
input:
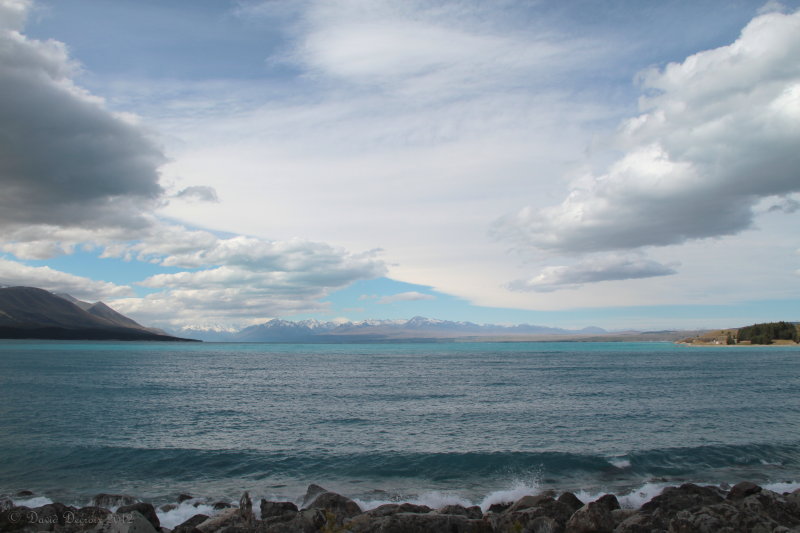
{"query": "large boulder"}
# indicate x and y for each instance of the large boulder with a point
(594, 517)
(273, 512)
(656, 514)
(85, 518)
(145, 509)
(418, 523)
(470, 512)
(190, 525)
(132, 522)
(540, 512)
(112, 500)
(392, 508)
(571, 501)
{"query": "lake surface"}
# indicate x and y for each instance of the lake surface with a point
(464, 422)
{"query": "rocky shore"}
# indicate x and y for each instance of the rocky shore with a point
(746, 507)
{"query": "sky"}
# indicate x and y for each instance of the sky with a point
(625, 164)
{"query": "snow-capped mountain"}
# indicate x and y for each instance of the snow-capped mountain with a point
(417, 328)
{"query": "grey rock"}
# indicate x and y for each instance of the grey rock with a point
(190, 525)
(306, 521)
(167, 507)
(470, 512)
(218, 506)
(132, 522)
(6, 504)
(418, 523)
(521, 517)
(145, 509)
(277, 511)
(544, 524)
(392, 508)
(24, 494)
(183, 497)
(620, 515)
(594, 517)
(311, 494)
(228, 517)
(85, 518)
(337, 505)
(742, 490)
(112, 500)
(571, 501)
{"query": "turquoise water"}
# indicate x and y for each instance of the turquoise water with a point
(391, 421)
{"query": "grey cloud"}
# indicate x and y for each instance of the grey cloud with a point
(592, 271)
(13, 273)
(718, 134)
(65, 159)
(199, 193)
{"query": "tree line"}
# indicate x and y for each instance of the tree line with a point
(768, 332)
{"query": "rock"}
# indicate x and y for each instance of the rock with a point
(183, 497)
(518, 517)
(306, 521)
(470, 512)
(571, 501)
(544, 524)
(336, 504)
(277, 511)
(24, 494)
(742, 490)
(499, 507)
(311, 494)
(112, 500)
(85, 518)
(392, 508)
(6, 504)
(526, 502)
(659, 511)
(620, 515)
(218, 506)
(145, 509)
(227, 518)
(190, 525)
(594, 517)
(167, 507)
(246, 509)
(132, 522)
(418, 523)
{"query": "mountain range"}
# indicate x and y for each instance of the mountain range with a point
(28, 312)
(31, 313)
(415, 329)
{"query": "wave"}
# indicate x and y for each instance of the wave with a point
(46, 467)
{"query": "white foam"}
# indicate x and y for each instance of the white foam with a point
(433, 499)
(620, 462)
(36, 501)
(183, 512)
(632, 500)
(780, 488)
(517, 491)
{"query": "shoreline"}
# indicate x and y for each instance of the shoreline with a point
(688, 507)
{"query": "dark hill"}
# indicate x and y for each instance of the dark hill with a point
(31, 313)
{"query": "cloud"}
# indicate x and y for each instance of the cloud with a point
(13, 273)
(411, 296)
(65, 159)
(198, 193)
(238, 279)
(719, 131)
(428, 50)
(610, 268)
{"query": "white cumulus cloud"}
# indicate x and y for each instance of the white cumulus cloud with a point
(718, 132)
